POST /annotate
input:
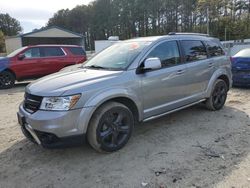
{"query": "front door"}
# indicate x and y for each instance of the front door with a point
(164, 89)
(30, 65)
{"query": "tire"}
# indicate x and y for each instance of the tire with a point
(110, 127)
(7, 80)
(218, 96)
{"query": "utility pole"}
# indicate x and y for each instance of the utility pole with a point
(225, 33)
(207, 20)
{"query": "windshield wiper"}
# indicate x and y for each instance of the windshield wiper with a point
(103, 68)
(94, 67)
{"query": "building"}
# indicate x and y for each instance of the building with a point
(50, 35)
(102, 44)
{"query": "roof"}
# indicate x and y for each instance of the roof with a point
(53, 45)
(141, 39)
(185, 36)
(44, 32)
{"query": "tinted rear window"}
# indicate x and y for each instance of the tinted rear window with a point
(194, 50)
(167, 52)
(51, 51)
(214, 49)
(76, 50)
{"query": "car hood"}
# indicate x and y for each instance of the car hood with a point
(69, 82)
(4, 63)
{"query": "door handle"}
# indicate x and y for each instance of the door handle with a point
(211, 64)
(179, 72)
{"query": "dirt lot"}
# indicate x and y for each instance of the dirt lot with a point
(191, 148)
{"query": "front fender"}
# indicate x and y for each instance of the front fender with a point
(4, 64)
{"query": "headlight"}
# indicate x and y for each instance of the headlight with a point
(59, 103)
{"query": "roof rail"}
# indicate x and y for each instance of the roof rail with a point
(199, 34)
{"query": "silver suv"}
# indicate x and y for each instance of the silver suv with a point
(132, 81)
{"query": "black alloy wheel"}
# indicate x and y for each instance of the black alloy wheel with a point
(7, 80)
(218, 96)
(111, 127)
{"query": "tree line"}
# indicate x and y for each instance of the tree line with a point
(227, 19)
(8, 27)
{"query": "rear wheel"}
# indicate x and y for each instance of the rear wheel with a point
(7, 80)
(110, 127)
(218, 97)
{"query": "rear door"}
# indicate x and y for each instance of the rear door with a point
(164, 89)
(53, 59)
(216, 54)
(199, 67)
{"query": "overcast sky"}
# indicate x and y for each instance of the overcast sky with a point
(35, 13)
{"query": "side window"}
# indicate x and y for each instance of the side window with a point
(194, 50)
(76, 50)
(51, 52)
(32, 53)
(167, 52)
(214, 49)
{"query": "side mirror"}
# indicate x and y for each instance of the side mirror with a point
(150, 64)
(21, 56)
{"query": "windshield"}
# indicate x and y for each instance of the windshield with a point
(117, 57)
(243, 53)
(12, 54)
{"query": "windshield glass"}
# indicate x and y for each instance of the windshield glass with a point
(12, 54)
(243, 53)
(117, 57)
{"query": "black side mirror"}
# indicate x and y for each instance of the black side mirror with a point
(21, 56)
(153, 63)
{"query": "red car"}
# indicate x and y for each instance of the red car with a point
(37, 61)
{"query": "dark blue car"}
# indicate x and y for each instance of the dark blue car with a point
(241, 68)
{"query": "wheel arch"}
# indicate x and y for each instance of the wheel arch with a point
(128, 103)
(219, 74)
(11, 71)
(85, 118)
(225, 79)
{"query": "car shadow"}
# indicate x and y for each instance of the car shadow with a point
(241, 87)
(178, 150)
(17, 88)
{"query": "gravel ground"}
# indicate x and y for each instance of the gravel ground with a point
(190, 148)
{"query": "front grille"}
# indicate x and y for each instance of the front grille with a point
(32, 102)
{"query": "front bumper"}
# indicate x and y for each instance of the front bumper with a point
(48, 140)
(52, 128)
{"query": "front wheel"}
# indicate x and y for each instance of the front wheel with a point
(218, 97)
(110, 127)
(7, 80)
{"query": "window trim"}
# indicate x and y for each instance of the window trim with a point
(157, 44)
(54, 56)
(184, 57)
(28, 50)
(209, 56)
(68, 48)
(65, 54)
